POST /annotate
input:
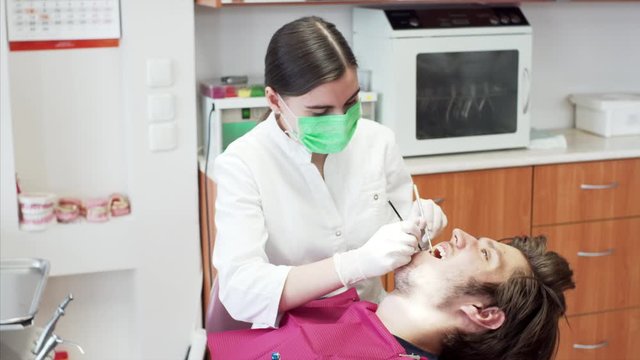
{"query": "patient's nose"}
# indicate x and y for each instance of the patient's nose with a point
(459, 239)
(462, 239)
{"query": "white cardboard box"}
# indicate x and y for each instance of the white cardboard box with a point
(607, 115)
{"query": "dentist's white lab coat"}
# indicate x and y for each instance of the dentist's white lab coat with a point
(274, 211)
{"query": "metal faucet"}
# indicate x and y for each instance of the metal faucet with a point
(47, 337)
(51, 343)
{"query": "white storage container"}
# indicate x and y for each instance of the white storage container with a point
(608, 114)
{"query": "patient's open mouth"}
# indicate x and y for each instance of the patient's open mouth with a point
(440, 252)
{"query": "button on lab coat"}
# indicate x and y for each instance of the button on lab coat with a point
(275, 211)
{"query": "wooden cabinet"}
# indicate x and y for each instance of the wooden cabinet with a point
(590, 213)
(207, 187)
(586, 191)
(612, 336)
(603, 256)
(491, 203)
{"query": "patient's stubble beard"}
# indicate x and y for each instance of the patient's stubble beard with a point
(402, 279)
(405, 285)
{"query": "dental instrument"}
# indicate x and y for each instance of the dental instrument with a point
(426, 229)
(394, 210)
(400, 217)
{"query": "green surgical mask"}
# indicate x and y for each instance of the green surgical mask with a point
(325, 134)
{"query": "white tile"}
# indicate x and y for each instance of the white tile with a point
(161, 107)
(159, 73)
(163, 137)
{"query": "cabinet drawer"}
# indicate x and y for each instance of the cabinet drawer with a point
(603, 256)
(586, 191)
(613, 335)
(492, 203)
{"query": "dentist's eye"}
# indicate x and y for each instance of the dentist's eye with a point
(485, 253)
(349, 105)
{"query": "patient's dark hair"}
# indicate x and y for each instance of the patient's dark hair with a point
(533, 304)
(306, 53)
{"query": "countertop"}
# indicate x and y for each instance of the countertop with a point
(581, 146)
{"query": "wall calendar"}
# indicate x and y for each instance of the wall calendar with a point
(62, 24)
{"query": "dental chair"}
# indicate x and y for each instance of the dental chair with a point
(218, 318)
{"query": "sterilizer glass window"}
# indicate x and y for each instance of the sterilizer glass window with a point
(466, 93)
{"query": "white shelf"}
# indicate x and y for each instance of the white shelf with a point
(238, 102)
(258, 102)
(76, 248)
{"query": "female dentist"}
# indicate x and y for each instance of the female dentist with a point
(302, 200)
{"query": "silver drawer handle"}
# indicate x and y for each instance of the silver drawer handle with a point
(595, 254)
(612, 185)
(591, 347)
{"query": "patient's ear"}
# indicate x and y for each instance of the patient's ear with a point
(489, 318)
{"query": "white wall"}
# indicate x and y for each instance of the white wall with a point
(578, 47)
(102, 308)
(8, 210)
(78, 126)
(234, 40)
(68, 121)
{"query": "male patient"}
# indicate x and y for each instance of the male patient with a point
(472, 299)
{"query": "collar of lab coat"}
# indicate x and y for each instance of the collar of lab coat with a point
(291, 147)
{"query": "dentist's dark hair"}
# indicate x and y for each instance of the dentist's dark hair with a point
(306, 53)
(533, 303)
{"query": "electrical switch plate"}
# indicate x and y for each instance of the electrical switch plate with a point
(159, 73)
(163, 137)
(160, 107)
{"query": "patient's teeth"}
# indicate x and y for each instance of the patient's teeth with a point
(442, 254)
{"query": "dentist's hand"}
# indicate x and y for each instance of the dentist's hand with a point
(389, 248)
(435, 220)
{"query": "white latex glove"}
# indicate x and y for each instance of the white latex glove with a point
(434, 218)
(389, 248)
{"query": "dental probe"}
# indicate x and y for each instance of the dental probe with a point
(426, 229)
(400, 218)
(394, 210)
